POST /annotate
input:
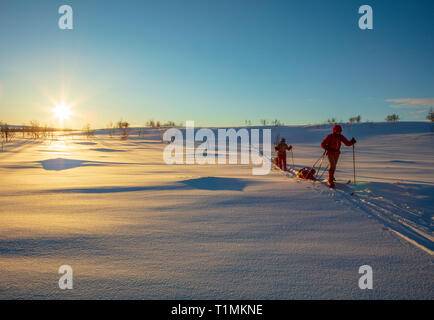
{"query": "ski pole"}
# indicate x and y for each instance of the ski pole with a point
(292, 156)
(354, 165)
(321, 158)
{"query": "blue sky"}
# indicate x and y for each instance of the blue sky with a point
(216, 62)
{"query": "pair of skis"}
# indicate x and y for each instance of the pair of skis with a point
(337, 184)
(333, 185)
(325, 182)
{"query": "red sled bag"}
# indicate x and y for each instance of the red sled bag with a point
(306, 173)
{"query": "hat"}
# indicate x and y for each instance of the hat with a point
(337, 128)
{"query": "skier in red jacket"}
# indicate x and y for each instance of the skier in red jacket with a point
(332, 146)
(281, 154)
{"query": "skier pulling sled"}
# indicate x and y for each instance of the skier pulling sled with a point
(332, 146)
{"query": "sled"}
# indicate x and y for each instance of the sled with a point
(306, 173)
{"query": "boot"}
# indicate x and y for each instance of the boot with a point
(331, 181)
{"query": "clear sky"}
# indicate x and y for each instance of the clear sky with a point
(217, 62)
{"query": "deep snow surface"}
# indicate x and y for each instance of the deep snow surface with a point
(133, 227)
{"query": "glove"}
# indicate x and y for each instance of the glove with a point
(353, 141)
(290, 147)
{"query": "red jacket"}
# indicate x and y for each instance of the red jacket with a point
(332, 143)
(281, 148)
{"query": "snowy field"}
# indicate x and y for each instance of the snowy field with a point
(132, 226)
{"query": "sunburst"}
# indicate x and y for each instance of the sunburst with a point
(62, 111)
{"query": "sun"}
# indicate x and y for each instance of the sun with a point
(62, 111)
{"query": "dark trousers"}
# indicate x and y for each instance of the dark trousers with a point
(333, 160)
(281, 161)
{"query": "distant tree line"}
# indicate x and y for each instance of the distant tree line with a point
(33, 130)
(355, 119)
(123, 126)
(158, 124)
(392, 118)
(430, 115)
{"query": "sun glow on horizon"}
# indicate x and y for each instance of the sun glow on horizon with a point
(62, 111)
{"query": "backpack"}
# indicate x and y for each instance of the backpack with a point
(281, 147)
(306, 173)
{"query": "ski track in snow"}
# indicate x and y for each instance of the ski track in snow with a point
(407, 224)
(401, 221)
